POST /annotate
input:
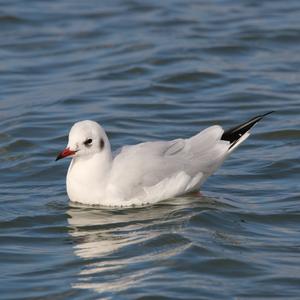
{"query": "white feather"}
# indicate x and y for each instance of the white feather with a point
(143, 173)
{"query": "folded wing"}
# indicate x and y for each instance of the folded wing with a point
(169, 168)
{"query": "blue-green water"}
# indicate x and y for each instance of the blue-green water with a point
(150, 70)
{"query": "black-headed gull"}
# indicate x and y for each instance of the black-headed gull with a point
(148, 172)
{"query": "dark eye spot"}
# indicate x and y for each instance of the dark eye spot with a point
(101, 144)
(88, 142)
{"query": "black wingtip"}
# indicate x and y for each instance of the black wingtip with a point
(233, 134)
(268, 113)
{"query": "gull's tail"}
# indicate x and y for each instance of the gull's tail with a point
(238, 134)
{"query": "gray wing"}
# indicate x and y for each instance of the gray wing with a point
(147, 164)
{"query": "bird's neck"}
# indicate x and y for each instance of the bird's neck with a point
(87, 177)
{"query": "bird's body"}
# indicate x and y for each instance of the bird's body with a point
(147, 172)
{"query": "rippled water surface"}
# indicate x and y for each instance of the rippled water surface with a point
(150, 70)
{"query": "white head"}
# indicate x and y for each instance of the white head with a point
(86, 138)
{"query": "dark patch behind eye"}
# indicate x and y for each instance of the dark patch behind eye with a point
(101, 144)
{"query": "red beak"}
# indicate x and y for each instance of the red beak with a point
(66, 152)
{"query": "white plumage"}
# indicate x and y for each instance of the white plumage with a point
(143, 173)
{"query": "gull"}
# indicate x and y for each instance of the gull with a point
(147, 172)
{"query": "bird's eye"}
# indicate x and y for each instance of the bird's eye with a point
(88, 142)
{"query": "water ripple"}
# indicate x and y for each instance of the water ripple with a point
(148, 71)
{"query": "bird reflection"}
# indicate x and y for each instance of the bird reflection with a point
(118, 248)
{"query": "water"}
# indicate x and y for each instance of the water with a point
(150, 70)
